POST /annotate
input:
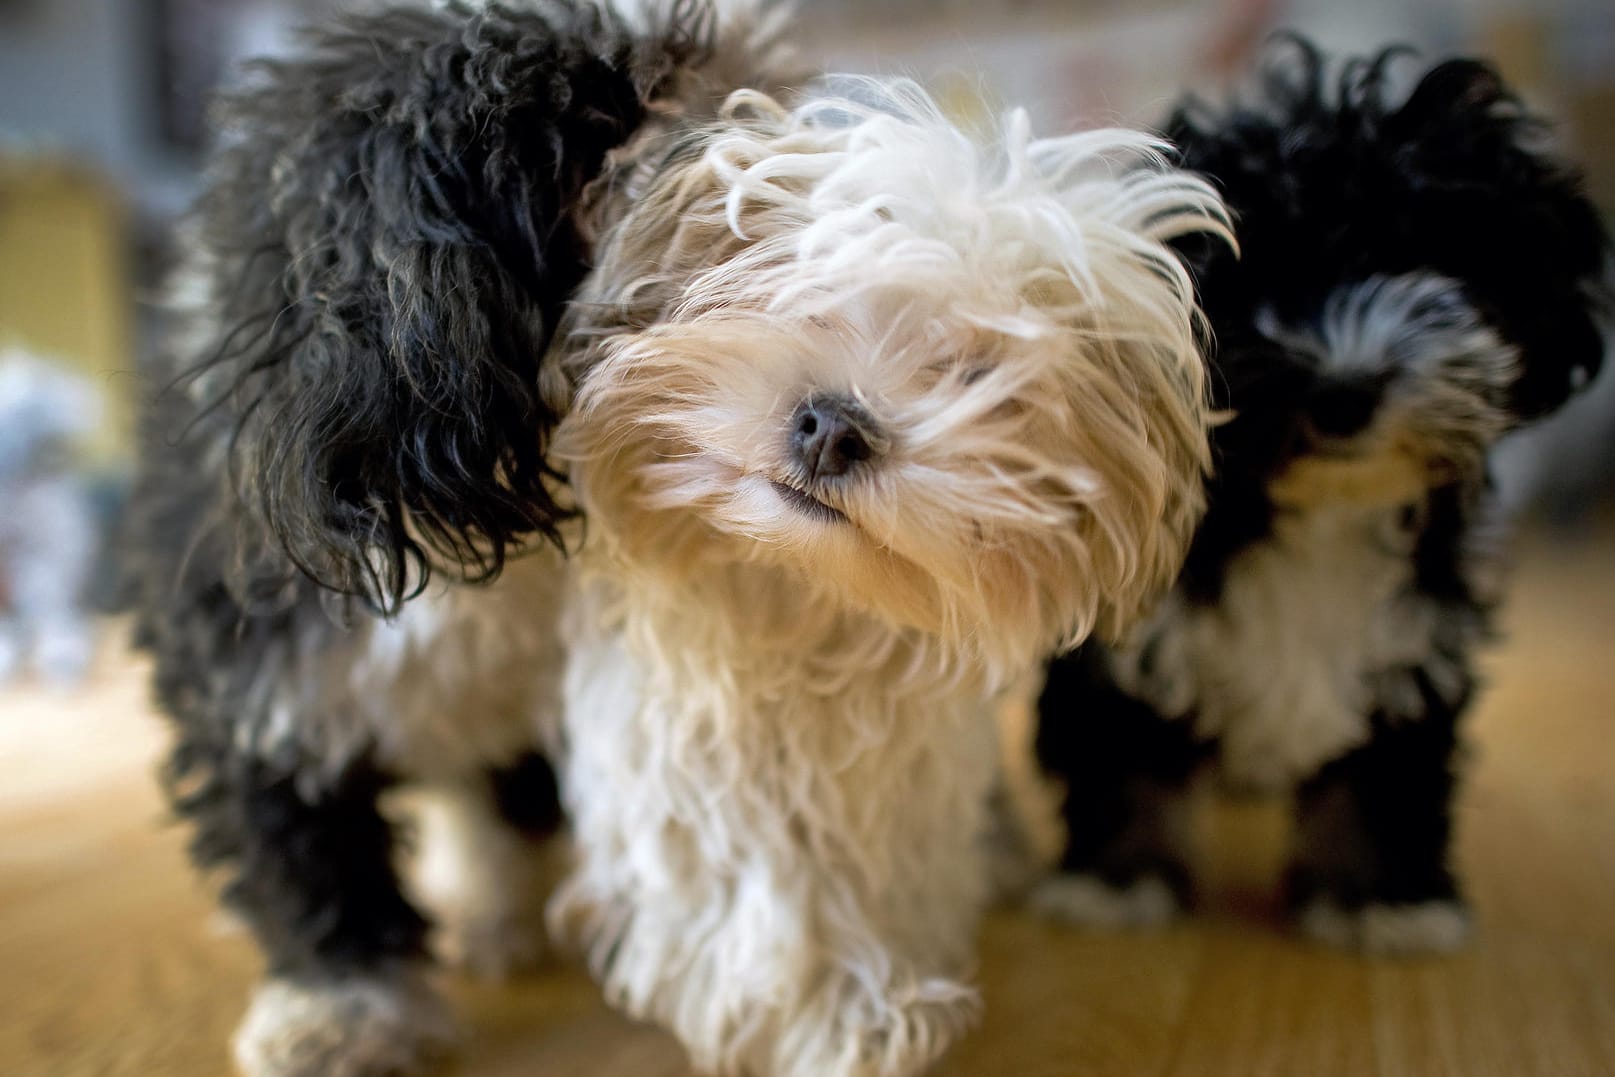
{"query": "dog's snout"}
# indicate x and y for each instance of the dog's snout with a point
(831, 435)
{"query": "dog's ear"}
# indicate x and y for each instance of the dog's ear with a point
(390, 235)
(1512, 219)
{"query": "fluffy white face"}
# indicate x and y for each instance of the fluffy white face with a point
(953, 383)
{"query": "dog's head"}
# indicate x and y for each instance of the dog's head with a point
(380, 259)
(952, 381)
(1417, 275)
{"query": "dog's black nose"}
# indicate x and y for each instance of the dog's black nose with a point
(1343, 409)
(832, 435)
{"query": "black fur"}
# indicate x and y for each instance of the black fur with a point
(390, 222)
(1332, 181)
(1126, 770)
(1333, 184)
(527, 795)
(386, 243)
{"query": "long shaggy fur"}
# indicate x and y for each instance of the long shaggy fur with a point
(385, 292)
(778, 734)
(467, 282)
(1417, 277)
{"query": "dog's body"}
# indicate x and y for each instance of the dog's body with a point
(848, 417)
(1415, 280)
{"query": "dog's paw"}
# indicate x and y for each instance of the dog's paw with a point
(1088, 901)
(897, 1036)
(355, 1027)
(1429, 927)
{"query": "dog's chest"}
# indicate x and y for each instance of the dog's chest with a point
(1282, 669)
(459, 680)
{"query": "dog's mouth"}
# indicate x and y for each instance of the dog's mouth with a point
(808, 505)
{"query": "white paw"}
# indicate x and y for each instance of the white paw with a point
(358, 1027)
(896, 1036)
(1431, 927)
(1086, 901)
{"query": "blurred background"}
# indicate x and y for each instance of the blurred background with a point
(102, 106)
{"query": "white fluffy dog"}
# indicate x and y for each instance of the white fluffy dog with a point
(857, 416)
(866, 413)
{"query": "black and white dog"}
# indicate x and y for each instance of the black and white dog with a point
(850, 416)
(1416, 278)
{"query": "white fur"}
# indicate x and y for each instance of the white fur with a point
(453, 684)
(778, 743)
(778, 726)
(360, 1027)
(1283, 667)
(1086, 901)
(1431, 927)
(775, 825)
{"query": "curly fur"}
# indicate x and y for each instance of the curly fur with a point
(1417, 277)
(471, 282)
(384, 297)
(1336, 179)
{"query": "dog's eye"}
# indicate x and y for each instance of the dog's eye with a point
(968, 371)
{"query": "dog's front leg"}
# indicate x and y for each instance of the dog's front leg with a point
(308, 868)
(785, 915)
(1371, 868)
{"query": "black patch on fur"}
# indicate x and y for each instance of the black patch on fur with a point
(1331, 183)
(390, 218)
(1375, 826)
(1125, 770)
(311, 873)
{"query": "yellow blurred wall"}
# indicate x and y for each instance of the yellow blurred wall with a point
(64, 288)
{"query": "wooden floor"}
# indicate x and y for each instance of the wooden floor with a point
(112, 963)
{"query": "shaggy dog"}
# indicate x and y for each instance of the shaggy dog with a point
(1417, 277)
(49, 531)
(849, 416)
